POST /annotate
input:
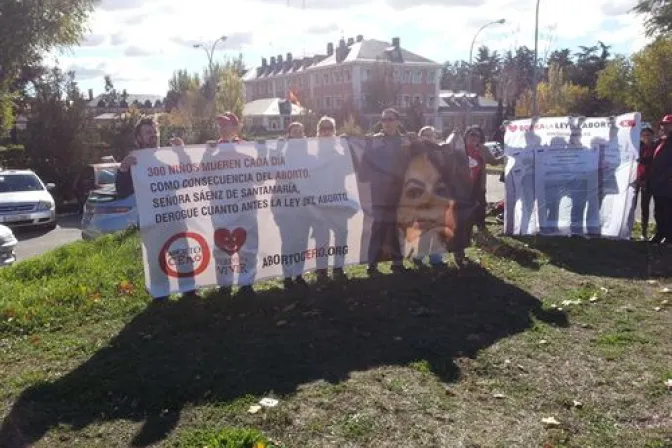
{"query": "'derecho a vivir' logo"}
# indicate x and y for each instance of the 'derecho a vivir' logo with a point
(185, 255)
(230, 241)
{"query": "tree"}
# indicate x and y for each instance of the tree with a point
(58, 137)
(644, 82)
(230, 91)
(658, 16)
(454, 76)
(555, 97)
(380, 89)
(486, 71)
(28, 29)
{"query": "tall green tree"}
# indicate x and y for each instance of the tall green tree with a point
(658, 15)
(28, 29)
(643, 82)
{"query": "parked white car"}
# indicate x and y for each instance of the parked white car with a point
(25, 200)
(7, 246)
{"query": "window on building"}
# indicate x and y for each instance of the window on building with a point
(366, 75)
(395, 75)
(338, 102)
(346, 75)
(407, 76)
(407, 101)
(337, 77)
(417, 76)
(325, 79)
(317, 80)
(431, 77)
(327, 102)
(398, 101)
(417, 99)
(279, 85)
(430, 101)
(364, 100)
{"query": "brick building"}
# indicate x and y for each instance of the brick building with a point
(352, 75)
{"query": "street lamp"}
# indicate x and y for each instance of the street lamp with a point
(471, 49)
(471, 56)
(536, 61)
(212, 49)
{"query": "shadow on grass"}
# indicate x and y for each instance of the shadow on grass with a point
(183, 353)
(605, 258)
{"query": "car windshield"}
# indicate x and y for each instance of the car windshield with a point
(14, 183)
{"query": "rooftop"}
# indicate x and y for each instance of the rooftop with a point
(352, 50)
(451, 100)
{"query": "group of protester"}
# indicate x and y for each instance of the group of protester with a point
(471, 148)
(654, 180)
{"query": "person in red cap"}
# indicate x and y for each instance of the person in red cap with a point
(661, 183)
(229, 127)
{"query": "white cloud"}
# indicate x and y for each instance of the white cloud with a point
(143, 41)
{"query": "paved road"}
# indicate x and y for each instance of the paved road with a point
(37, 242)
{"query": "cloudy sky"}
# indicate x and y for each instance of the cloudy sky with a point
(141, 42)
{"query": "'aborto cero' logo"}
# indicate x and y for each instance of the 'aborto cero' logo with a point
(185, 255)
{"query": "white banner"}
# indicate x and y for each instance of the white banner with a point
(571, 176)
(236, 213)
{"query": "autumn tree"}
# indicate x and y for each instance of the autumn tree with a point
(642, 82)
(555, 97)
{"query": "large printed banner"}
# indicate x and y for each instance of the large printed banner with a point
(236, 213)
(571, 176)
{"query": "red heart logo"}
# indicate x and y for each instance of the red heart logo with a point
(628, 123)
(230, 242)
(513, 127)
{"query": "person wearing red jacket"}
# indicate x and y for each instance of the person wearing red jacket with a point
(646, 149)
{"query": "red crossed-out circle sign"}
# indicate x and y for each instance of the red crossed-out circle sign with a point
(198, 256)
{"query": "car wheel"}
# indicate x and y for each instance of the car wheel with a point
(51, 226)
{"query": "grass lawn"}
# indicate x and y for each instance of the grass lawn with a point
(573, 330)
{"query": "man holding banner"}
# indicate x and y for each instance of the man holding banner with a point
(661, 183)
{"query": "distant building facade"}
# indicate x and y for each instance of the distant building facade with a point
(102, 111)
(346, 77)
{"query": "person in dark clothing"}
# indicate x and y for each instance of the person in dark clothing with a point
(661, 183)
(646, 149)
(384, 231)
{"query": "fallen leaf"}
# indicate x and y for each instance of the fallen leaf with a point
(543, 342)
(657, 309)
(449, 391)
(594, 299)
(604, 290)
(652, 282)
(577, 404)
(254, 409)
(665, 302)
(666, 290)
(499, 396)
(550, 422)
(281, 323)
(507, 362)
(268, 402)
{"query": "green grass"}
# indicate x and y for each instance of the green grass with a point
(429, 358)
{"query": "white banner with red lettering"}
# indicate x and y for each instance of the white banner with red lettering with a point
(571, 176)
(234, 214)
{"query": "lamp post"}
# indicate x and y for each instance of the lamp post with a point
(471, 58)
(211, 51)
(535, 74)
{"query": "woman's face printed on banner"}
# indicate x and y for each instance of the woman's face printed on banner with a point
(426, 213)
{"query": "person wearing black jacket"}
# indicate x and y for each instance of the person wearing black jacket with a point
(661, 183)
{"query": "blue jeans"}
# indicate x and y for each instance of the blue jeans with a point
(434, 259)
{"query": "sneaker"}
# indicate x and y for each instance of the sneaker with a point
(339, 275)
(288, 283)
(657, 239)
(299, 281)
(398, 269)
